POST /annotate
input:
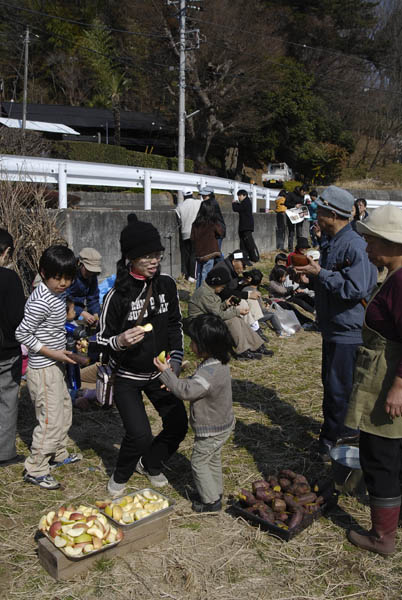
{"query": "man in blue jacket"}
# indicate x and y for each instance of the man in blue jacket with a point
(84, 292)
(344, 279)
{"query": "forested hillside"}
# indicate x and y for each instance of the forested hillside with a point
(316, 83)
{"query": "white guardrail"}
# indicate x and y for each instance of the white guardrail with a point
(64, 172)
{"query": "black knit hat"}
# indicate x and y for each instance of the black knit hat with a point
(139, 239)
(218, 276)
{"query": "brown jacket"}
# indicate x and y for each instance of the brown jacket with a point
(204, 238)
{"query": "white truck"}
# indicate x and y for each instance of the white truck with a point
(276, 175)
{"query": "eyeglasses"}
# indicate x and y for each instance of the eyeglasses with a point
(153, 256)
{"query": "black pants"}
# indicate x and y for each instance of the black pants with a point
(280, 230)
(138, 440)
(187, 258)
(380, 459)
(248, 246)
(338, 363)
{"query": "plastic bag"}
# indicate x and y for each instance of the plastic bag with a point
(287, 318)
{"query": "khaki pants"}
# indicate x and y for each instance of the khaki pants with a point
(53, 407)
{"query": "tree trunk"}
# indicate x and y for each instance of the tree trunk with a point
(117, 128)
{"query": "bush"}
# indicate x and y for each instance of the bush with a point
(321, 162)
(115, 155)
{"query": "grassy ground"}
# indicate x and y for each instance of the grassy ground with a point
(277, 406)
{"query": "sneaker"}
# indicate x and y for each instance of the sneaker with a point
(114, 488)
(47, 482)
(158, 480)
(284, 334)
(201, 507)
(249, 355)
(191, 280)
(71, 458)
(324, 450)
(18, 458)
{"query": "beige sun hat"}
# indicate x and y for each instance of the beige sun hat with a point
(384, 222)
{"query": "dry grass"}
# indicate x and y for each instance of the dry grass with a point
(214, 557)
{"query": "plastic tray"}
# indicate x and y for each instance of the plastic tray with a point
(151, 517)
(331, 499)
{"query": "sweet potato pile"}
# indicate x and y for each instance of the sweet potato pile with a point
(282, 500)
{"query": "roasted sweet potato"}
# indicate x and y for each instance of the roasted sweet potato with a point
(306, 498)
(283, 516)
(301, 488)
(295, 519)
(278, 505)
(284, 483)
(311, 507)
(291, 503)
(266, 514)
(247, 497)
(300, 478)
(265, 495)
(272, 480)
(288, 474)
(281, 525)
(260, 485)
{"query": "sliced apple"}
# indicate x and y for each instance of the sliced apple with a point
(88, 548)
(84, 537)
(162, 356)
(119, 535)
(140, 514)
(60, 511)
(117, 513)
(60, 542)
(76, 532)
(70, 551)
(50, 516)
(109, 510)
(128, 517)
(97, 543)
(43, 524)
(147, 327)
(95, 531)
(55, 528)
(101, 504)
(77, 516)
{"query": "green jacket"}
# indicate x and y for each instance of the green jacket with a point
(204, 300)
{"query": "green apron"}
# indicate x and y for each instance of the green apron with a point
(376, 366)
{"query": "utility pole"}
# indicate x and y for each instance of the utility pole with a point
(24, 99)
(182, 87)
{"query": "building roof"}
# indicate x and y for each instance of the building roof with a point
(87, 118)
(38, 126)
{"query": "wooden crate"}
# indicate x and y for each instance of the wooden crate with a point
(135, 538)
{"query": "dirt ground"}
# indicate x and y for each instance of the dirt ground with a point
(206, 557)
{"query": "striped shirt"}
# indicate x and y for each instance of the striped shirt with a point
(43, 325)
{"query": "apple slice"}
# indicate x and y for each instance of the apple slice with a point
(119, 535)
(55, 528)
(96, 532)
(84, 537)
(147, 327)
(97, 543)
(77, 516)
(70, 551)
(43, 524)
(76, 532)
(60, 542)
(140, 514)
(88, 548)
(117, 513)
(50, 516)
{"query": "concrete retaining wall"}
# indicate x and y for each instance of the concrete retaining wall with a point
(101, 229)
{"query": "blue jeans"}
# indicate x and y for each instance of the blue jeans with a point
(202, 270)
(338, 363)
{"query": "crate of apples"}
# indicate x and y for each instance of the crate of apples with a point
(80, 531)
(128, 510)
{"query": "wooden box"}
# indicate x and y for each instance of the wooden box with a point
(136, 538)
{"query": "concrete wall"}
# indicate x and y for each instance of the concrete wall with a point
(101, 229)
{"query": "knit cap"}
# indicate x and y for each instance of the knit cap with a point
(139, 238)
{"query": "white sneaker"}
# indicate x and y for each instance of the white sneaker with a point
(158, 480)
(284, 334)
(191, 280)
(114, 488)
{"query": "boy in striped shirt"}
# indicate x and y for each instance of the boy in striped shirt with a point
(42, 330)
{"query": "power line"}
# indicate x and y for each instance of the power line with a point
(80, 23)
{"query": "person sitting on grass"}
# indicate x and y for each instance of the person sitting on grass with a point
(281, 259)
(209, 392)
(252, 280)
(302, 246)
(42, 331)
(248, 344)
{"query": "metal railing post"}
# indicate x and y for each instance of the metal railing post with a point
(254, 198)
(267, 200)
(147, 191)
(62, 186)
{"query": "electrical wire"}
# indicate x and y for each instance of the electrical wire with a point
(80, 23)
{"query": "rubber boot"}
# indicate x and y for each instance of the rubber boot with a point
(384, 524)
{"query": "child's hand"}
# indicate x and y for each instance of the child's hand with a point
(161, 366)
(57, 355)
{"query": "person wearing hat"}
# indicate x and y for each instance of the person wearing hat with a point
(302, 246)
(375, 406)
(186, 213)
(294, 199)
(242, 206)
(343, 280)
(207, 195)
(84, 291)
(140, 287)
(206, 300)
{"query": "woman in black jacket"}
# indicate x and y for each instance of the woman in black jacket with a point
(132, 352)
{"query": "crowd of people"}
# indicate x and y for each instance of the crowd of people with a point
(333, 290)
